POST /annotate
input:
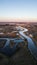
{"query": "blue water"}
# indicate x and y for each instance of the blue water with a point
(31, 45)
(7, 50)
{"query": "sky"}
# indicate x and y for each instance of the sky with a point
(18, 10)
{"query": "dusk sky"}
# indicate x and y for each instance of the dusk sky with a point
(18, 10)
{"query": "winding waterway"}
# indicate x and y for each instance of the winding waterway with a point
(31, 46)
